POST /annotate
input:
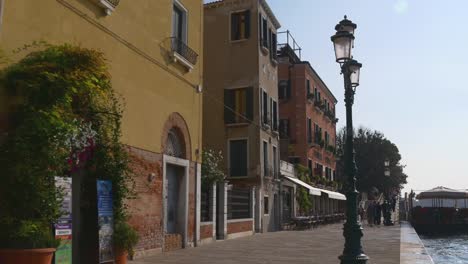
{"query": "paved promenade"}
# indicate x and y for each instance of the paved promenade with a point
(321, 245)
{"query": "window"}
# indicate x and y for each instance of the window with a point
(315, 93)
(318, 134)
(238, 158)
(284, 128)
(309, 130)
(265, 205)
(327, 138)
(179, 22)
(238, 203)
(275, 162)
(284, 89)
(240, 25)
(206, 209)
(309, 166)
(264, 33)
(238, 105)
(264, 107)
(265, 159)
(273, 45)
(275, 116)
(308, 86)
(328, 173)
(318, 170)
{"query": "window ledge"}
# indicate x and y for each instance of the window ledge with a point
(237, 124)
(265, 50)
(176, 57)
(239, 40)
(205, 223)
(240, 220)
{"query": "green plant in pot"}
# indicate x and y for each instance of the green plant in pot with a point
(125, 239)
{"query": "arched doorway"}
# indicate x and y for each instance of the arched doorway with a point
(176, 150)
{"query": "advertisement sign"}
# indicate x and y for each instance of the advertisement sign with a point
(105, 220)
(63, 227)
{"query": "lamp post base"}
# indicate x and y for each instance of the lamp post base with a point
(359, 259)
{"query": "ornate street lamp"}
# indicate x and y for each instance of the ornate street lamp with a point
(343, 42)
(387, 168)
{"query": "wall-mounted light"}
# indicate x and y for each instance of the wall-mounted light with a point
(151, 177)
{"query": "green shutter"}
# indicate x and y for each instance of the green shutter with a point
(249, 102)
(229, 106)
(247, 24)
(234, 26)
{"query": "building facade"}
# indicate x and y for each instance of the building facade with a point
(307, 122)
(155, 56)
(241, 113)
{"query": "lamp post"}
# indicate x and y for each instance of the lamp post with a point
(343, 41)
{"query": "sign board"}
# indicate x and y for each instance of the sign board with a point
(63, 227)
(105, 221)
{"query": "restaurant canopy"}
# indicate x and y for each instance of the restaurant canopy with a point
(312, 190)
(334, 195)
(442, 193)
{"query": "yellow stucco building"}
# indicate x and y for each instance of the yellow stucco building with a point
(154, 50)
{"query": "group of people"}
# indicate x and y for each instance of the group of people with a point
(375, 210)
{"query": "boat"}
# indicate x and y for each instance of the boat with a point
(440, 210)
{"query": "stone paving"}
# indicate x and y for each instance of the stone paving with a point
(320, 245)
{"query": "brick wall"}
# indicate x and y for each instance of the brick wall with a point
(238, 227)
(172, 242)
(206, 231)
(147, 209)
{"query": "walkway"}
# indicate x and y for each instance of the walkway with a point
(321, 245)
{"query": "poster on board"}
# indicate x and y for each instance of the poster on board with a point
(105, 221)
(63, 227)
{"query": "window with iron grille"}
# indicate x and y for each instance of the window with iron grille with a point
(240, 25)
(238, 204)
(206, 206)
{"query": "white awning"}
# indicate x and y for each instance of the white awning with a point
(334, 195)
(312, 190)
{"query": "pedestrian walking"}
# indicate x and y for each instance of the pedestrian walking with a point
(370, 213)
(378, 213)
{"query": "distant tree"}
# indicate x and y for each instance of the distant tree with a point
(372, 149)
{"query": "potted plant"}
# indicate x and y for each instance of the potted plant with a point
(125, 239)
(26, 241)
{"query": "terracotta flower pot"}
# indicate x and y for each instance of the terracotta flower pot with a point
(121, 257)
(27, 256)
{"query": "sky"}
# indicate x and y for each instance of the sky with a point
(412, 85)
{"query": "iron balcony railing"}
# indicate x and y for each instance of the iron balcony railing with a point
(114, 3)
(177, 45)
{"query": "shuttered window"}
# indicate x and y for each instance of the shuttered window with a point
(309, 130)
(238, 105)
(240, 25)
(264, 107)
(275, 116)
(238, 158)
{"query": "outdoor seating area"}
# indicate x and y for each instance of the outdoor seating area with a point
(308, 222)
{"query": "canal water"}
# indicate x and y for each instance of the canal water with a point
(447, 249)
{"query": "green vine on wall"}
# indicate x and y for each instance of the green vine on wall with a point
(66, 117)
(303, 197)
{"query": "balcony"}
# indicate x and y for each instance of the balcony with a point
(319, 105)
(311, 97)
(183, 54)
(108, 5)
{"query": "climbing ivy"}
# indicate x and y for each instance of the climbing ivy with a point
(66, 118)
(303, 197)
